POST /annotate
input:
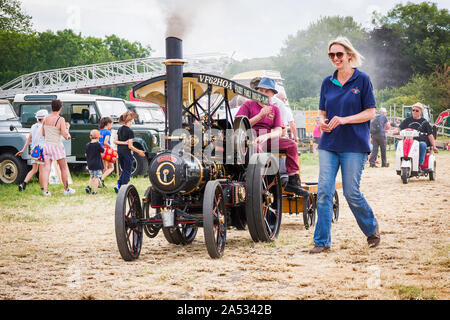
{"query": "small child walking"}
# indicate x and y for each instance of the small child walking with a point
(124, 142)
(94, 162)
(36, 139)
(105, 126)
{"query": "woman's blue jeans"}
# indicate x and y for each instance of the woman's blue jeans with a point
(352, 165)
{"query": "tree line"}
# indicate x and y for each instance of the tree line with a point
(24, 50)
(406, 52)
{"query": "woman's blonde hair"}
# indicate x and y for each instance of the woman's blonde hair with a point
(356, 57)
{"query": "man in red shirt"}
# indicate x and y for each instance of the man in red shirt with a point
(266, 121)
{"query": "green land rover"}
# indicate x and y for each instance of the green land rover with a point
(84, 112)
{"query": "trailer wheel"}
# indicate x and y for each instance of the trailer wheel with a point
(128, 230)
(309, 212)
(335, 217)
(214, 219)
(263, 206)
(150, 231)
(12, 169)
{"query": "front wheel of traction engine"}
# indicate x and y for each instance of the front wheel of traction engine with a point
(214, 219)
(263, 206)
(129, 232)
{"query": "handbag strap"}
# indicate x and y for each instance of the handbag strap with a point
(40, 133)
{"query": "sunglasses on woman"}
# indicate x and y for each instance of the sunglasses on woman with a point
(416, 110)
(337, 54)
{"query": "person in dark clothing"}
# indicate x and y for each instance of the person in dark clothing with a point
(94, 161)
(417, 122)
(124, 142)
(378, 128)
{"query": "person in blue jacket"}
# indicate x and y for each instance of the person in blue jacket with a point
(347, 104)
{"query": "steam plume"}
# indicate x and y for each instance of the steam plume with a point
(180, 17)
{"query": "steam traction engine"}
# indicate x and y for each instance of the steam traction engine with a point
(208, 176)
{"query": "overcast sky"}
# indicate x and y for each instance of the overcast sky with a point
(249, 28)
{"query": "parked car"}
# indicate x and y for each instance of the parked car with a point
(83, 112)
(150, 115)
(12, 139)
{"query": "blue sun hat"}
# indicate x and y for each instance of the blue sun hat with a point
(267, 83)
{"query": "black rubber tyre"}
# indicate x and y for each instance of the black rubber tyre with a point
(405, 175)
(172, 235)
(264, 199)
(140, 166)
(150, 231)
(238, 218)
(182, 234)
(432, 174)
(335, 217)
(128, 231)
(13, 170)
(214, 219)
(309, 212)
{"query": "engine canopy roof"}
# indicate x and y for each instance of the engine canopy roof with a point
(194, 85)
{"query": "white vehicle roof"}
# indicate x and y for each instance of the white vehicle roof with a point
(73, 97)
(143, 104)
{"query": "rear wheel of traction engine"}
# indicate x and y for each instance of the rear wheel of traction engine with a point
(214, 219)
(128, 230)
(335, 217)
(432, 174)
(181, 234)
(150, 231)
(309, 211)
(263, 207)
(405, 175)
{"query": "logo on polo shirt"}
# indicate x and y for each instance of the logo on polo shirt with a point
(356, 91)
(271, 116)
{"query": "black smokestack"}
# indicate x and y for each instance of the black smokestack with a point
(174, 69)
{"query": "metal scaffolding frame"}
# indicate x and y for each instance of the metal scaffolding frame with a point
(107, 75)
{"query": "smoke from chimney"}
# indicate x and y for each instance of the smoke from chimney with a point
(179, 17)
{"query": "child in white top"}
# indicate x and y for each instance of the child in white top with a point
(36, 139)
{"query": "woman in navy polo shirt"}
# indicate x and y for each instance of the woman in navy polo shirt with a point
(347, 105)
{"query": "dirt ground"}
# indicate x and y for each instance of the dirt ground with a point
(71, 253)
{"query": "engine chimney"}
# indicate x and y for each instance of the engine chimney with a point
(174, 68)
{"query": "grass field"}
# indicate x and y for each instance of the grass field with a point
(64, 248)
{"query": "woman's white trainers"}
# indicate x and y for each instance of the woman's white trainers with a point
(47, 194)
(69, 192)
